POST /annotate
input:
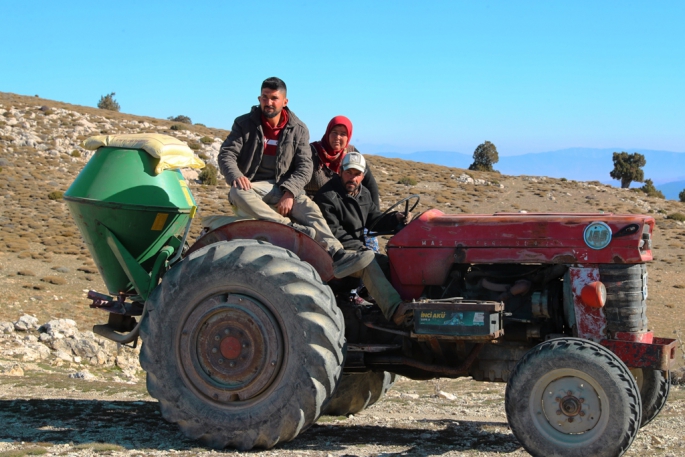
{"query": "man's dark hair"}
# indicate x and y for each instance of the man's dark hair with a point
(275, 83)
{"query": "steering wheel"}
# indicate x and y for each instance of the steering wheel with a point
(407, 210)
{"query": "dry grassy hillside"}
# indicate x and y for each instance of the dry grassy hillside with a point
(45, 267)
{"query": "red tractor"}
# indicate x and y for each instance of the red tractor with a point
(247, 340)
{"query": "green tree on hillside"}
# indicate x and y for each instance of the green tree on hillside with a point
(681, 196)
(628, 168)
(484, 157)
(108, 102)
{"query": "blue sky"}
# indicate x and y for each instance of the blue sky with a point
(432, 75)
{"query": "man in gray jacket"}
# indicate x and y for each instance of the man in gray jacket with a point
(266, 160)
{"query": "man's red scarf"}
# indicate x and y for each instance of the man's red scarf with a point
(271, 134)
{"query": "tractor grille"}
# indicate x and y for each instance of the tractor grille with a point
(626, 306)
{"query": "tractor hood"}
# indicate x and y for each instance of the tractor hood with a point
(568, 238)
(433, 242)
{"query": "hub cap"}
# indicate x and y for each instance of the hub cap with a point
(231, 348)
(571, 405)
(567, 406)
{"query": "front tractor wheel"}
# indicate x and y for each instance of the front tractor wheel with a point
(573, 397)
(654, 386)
(242, 345)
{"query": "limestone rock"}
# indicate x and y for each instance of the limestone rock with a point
(59, 344)
(26, 323)
(63, 327)
(83, 347)
(32, 352)
(84, 374)
(189, 174)
(6, 327)
(464, 178)
(62, 355)
(447, 396)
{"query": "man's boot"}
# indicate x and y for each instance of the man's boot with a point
(347, 262)
(402, 314)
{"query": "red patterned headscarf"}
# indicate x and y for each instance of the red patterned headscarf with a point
(327, 156)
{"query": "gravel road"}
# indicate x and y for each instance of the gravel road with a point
(47, 412)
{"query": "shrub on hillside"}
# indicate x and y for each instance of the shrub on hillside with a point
(650, 190)
(56, 195)
(178, 127)
(203, 156)
(108, 102)
(680, 217)
(75, 153)
(209, 176)
(206, 140)
(681, 196)
(194, 145)
(407, 181)
(181, 118)
(54, 280)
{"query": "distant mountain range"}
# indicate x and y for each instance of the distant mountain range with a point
(672, 189)
(665, 168)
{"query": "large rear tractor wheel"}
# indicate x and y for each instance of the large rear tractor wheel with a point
(242, 345)
(654, 386)
(575, 398)
(358, 391)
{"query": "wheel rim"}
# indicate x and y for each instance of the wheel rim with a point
(231, 348)
(569, 407)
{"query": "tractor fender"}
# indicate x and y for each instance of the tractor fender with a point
(274, 233)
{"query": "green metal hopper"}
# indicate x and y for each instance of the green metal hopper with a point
(131, 219)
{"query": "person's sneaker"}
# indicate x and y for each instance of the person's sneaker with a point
(347, 262)
(309, 231)
(403, 314)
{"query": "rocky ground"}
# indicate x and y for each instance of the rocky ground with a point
(65, 391)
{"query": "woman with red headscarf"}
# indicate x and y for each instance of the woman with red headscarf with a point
(328, 153)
